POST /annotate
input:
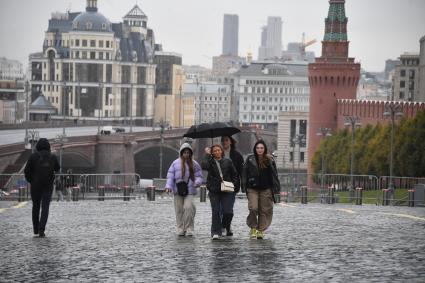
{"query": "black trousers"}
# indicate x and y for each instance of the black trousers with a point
(41, 197)
(222, 211)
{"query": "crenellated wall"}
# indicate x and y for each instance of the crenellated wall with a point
(372, 112)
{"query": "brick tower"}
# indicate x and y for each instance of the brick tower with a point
(333, 76)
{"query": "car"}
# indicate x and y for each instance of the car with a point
(106, 130)
(119, 130)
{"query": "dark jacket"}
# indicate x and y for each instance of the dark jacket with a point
(250, 175)
(237, 160)
(214, 180)
(43, 150)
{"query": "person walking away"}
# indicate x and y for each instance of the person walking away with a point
(220, 169)
(229, 147)
(183, 178)
(40, 173)
(261, 181)
(69, 181)
(58, 188)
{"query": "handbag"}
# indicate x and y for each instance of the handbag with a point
(182, 188)
(226, 186)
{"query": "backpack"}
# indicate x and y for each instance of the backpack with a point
(44, 171)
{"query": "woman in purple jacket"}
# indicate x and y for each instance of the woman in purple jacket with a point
(183, 177)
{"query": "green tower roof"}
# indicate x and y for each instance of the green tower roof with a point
(336, 22)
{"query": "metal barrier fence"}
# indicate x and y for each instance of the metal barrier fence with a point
(304, 188)
(325, 188)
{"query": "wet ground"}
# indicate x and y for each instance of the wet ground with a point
(116, 241)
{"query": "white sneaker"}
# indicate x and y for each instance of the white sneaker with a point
(215, 237)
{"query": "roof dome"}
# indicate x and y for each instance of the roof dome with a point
(91, 21)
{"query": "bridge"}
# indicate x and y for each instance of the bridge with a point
(137, 152)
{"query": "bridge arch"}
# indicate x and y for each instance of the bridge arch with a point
(147, 159)
(78, 162)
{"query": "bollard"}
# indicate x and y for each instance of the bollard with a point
(303, 195)
(101, 193)
(331, 199)
(411, 201)
(126, 193)
(277, 198)
(21, 194)
(75, 193)
(359, 196)
(203, 193)
(150, 193)
(385, 197)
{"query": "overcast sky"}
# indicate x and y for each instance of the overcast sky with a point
(377, 29)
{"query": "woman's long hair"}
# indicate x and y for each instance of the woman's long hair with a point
(232, 142)
(190, 163)
(262, 161)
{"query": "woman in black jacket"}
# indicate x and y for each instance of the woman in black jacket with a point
(215, 162)
(261, 181)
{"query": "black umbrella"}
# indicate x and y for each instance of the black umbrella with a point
(211, 130)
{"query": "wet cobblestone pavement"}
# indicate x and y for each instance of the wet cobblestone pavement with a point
(116, 241)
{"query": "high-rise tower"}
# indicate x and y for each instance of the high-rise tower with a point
(230, 35)
(333, 76)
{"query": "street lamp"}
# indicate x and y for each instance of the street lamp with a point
(392, 111)
(61, 139)
(353, 122)
(31, 139)
(161, 134)
(99, 97)
(298, 139)
(324, 132)
(64, 98)
(131, 108)
(27, 86)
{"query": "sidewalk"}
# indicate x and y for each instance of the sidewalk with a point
(116, 241)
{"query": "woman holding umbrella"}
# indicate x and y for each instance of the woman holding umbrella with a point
(220, 169)
(261, 182)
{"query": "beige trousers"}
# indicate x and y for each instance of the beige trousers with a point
(185, 213)
(260, 205)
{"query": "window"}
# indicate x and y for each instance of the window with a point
(84, 55)
(101, 43)
(402, 84)
(77, 54)
(84, 43)
(401, 95)
(302, 157)
(89, 25)
(103, 26)
(402, 73)
(107, 56)
(107, 44)
(100, 55)
(77, 42)
(92, 43)
(92, 55)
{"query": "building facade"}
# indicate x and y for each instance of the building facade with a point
(211, 100)
(292, 141)
(91, 68)
(406, 78)
(230, 35)
(169, 88)
(263, 89)
(11, 70)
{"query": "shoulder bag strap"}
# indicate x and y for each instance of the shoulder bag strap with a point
(219, 169)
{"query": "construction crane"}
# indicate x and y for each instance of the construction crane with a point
(304, 44)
